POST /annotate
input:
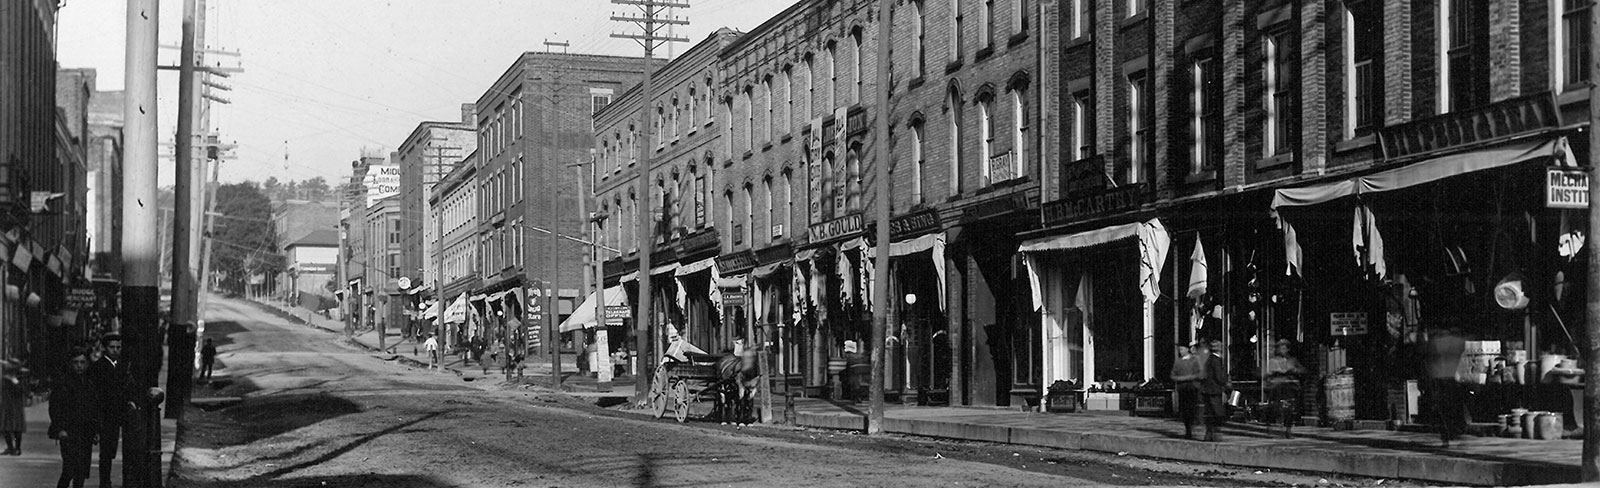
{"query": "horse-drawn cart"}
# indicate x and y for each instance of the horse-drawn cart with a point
(681, 383)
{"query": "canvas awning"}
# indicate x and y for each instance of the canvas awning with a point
(583, 317)
(1153, 245)
(931, 242)
(695, 267)
(1419, 173)
(457, 311)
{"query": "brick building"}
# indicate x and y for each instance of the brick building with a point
(455, 202)
(682, 174)
(429, 152)
(533, 122)
(1213, 156)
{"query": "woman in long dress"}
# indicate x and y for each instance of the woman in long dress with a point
(13, 398)
(74, 420)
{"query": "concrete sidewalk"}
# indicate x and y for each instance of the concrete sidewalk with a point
(40, 462)
(1372, 453)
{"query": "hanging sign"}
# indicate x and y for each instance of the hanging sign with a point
(615, 314)
(1566, 188)
(1347, 323)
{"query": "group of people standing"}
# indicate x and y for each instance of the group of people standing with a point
(90, 404)
(1201, 379)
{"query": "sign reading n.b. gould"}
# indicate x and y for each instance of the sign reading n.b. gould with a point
(1566, 187)
(837, 228)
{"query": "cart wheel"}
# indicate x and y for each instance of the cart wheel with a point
(658, 400)
(680, 392)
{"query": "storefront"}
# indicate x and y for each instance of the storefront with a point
(919, 347)
(998, 340)
(771, 285)
(1470, 237)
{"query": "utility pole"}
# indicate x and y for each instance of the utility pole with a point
(650, 19)
(552, 248)
(1590, 463)
(184, 298)
(579, 338)
(880, 183)
(141, 294)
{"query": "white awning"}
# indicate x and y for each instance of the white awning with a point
(631, 276)
(696, 267)
(583, 317)
(457, 311)
(663, 269)
(913, 246)
(1153, 245)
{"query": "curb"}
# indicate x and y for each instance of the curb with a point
(1421, 467)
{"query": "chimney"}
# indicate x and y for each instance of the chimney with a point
(469, 114)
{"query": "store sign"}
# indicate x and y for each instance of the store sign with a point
(735, 263)
(913, 224)
(732, 298)
(700, 241)
(837, 228)
(615, 314)
(1001, 168)
(996, 207)
(1071, 209)
(1566, 188)
(1347, 323)
(1495, 121)
(81, 298)
(1084, 176)
(814, 169)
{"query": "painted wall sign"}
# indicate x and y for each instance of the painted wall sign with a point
(913, 224)
(1347, 323)
(1083, 206)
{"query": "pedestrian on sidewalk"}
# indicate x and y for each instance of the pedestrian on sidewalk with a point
(74, 420)
(1283, 384)
(432, 346)
(1186, 380)
(111, 378)
(13, 399)
(1445, 350)
(1214, 386)
(208, 359)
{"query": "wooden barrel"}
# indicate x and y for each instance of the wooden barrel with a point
(1341, 390)
(836, 366)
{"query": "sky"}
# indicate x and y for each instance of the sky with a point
(324, 80)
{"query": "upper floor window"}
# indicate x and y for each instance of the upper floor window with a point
(986, 138)
(1363, 53)
(1019, 16)
(1136, 7)
(858, 58)
(1019, 130)
(772, 216)
(766, 101)
(1082, 125)
(788, 100)
(1279, 96)
(706, 101)
(919, 23)
(1080, 18)
(788, 201)
(807, 109)
(955, 30)
(749, 119)
(749, 216)
(986, 24)
(918, 171)
(1463, 79)
(1572, 53)
(954, 114)
(692, 107)
(1139, 98)
(1205, 96)
(829, 58)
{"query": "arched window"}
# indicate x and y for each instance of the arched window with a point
(954, 116)
(917, 160)
(986, 139)
(857, 49)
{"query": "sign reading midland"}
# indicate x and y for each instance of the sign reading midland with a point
(841, 227)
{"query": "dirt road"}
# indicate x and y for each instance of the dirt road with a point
(317, 412)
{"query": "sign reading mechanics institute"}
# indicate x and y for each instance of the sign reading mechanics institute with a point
(837, 228)
(1566, 188)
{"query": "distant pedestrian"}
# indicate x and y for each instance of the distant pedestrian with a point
(13, 398)
(1214, 387)
(74, 421)
(1186, 374)
(208, 359)
(432, 346)
(1445, 349)
(114, 383)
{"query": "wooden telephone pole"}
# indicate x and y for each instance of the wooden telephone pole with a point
(651, 19)
(1590, 462)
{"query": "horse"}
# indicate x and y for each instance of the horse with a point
(737, 378)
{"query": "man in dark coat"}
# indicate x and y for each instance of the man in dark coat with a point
(113, 381)
(1214, 386)
(74, 420)
(208, 359)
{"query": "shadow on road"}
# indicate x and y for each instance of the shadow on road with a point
(342, 481)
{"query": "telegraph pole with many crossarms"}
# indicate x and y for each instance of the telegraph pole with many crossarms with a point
(652, 19)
